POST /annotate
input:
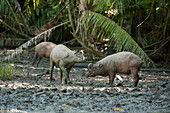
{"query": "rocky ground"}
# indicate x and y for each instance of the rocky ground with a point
(31, 93)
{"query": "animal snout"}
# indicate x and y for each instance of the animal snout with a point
(87, 75)
(84, 58)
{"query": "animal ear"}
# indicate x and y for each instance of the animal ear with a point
(79, 52)
(100, 65)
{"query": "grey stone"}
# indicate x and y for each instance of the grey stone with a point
(54, 89)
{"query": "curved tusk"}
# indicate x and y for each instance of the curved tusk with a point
(89, 66)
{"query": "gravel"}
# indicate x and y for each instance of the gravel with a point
(31, 93)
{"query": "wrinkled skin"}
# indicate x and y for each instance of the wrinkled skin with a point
(65, 59)
(122, 62)
(42, 50)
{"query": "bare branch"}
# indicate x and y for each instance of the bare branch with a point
(35, 39)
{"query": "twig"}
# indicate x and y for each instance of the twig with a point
(29, 43)
(15, 16)
(75, 35)
(22, 17)
(13, 29)
(155, 43)
(159, 48)
(62, 9)
(69, 41)
(147, 16)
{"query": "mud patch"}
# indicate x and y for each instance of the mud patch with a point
(32, 93)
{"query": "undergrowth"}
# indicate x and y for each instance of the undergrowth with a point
(7, 71)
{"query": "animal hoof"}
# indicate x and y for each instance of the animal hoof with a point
(69, 82)
(134, 86)
(51, 80)
(47, 72)
(64, 82)
(109, 84)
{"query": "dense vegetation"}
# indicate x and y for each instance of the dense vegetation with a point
(140, 26)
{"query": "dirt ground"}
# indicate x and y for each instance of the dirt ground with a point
(31, 93)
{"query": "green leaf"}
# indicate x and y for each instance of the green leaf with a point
(108, 3)
(122, 41)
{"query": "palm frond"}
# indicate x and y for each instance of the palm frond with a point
(44, 35)
(118, 37)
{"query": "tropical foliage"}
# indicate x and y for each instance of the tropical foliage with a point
(140, 26)
(118, 38)
(7, 71)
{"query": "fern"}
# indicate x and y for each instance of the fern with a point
(121, 40)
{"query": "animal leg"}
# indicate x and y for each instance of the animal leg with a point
(68, 72)
(51, 70)
(35, 58)
(62, 67)
(61, 76)
(39, 58)
(111, 78)
(135, 76)
(68, 78)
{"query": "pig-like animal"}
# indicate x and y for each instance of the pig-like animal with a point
(122, 62)
(65, 59)
(43, 50)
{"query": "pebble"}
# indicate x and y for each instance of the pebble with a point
(37, 94)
